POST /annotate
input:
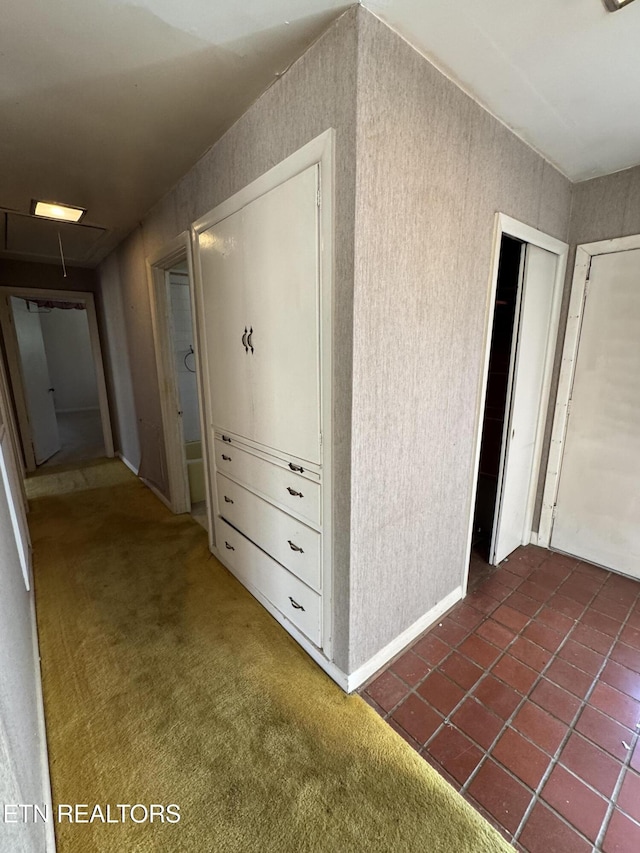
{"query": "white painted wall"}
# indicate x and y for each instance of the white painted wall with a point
(182, 323)
(22, 769)
(71, 369)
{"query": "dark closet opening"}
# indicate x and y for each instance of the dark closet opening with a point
(496, 404)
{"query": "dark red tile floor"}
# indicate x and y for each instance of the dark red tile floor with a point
(526, 698)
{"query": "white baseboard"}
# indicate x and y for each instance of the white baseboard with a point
(47, 798)
(364, 672)
(129, 465)
(156, 491)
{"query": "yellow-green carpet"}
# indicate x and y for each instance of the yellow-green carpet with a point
(166, 682)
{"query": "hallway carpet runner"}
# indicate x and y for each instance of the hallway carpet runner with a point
(165, 682)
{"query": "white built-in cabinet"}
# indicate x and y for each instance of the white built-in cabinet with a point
(263, 303)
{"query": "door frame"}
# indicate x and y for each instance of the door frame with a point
(159, 263)
(507, 226)
(579, 285)
(14, 363)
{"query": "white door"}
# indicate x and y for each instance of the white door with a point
(35, 378)
(526, 415)
(597, 513)
(225, 321)
(281, 267)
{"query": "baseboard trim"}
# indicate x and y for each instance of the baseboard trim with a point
(334, 672)
(363, 673)
(156, 491)
(47, 796)
(129, 465)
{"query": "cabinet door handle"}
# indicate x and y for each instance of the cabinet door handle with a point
(244, 340)
(295, 604)
(249, 340)
(295, 547)
(294, 493)
(227, 500)
(226, 438)
(297, 468)
(226, 458)
(229, 547)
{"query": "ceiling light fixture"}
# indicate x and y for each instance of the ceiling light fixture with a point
(53, 210)
(614, 5)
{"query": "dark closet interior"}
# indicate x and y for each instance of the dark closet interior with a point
(496, 405)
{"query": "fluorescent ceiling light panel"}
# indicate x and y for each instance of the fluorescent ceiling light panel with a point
(614, 5)
(51, 210)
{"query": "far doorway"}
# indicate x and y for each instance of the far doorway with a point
(522, 330)
(57, 377)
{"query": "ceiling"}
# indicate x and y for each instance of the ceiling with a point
(104, 104)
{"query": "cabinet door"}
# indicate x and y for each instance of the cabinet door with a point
(221, 262)
(281, 272)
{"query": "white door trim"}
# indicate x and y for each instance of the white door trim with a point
(158, 265)
(15, 370)
(506, 225)
(584, 253)
(318, 151)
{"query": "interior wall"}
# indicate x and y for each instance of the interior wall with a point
(21, 747)
(67, 343)
(433, 169)
(49, 276)
(317, 92)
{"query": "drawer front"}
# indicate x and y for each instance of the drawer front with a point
(286, 539)
(282, 485)
(299, 604)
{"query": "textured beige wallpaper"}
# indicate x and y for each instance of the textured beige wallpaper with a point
(433, 169)
(317, 92)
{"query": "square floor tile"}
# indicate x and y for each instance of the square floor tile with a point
(467, 616)
(568, 677)
(610, 608)
(591, 764)
(622, 679)
(431, 649)
(510, 617)
(629, 796)
(515, 674)
(496, 633)
(556, 620)
(592, 639)
(520, 756)
(478, 723)
(450, 631)
(461, 670)
(635, 761)
(602, 623)
(493, 587)
(531, 654)
(626, 656)
(604, 732)
(413, 743)
(544, 832)
(500, 794)
(615, 704)
(573, 800)
(410, 668)
(523, 603)
(538, 592)
(543, 635)
(497, 696)
(387, 690)
(440, 692)
(568, 606)
(555, 700)
(546, 578)
(417, 718)
(544, 730)
(631, 637)
(479, 651)
(623, 835)
(456, 753)
(507, 578)
(581, 657)
(479, 600)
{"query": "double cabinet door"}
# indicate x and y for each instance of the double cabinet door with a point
(260, 284)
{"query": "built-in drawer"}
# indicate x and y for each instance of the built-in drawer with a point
(286, 539)
(278, 483)
(299, 604)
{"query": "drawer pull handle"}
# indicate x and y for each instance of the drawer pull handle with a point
(297, 468)
(295, 547)
(226, 438)
(226, 458)
(229, 547)
(249, 344)
(227, 500)
(244, 340)
(294, 493)
(295, 604)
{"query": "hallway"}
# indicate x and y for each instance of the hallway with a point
(165, 682)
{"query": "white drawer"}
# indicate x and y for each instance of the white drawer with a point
(286, 539)
(299, 604)
(274, 481)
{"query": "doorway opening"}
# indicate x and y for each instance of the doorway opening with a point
(172, 301)
(57, 377)
(521, 334)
